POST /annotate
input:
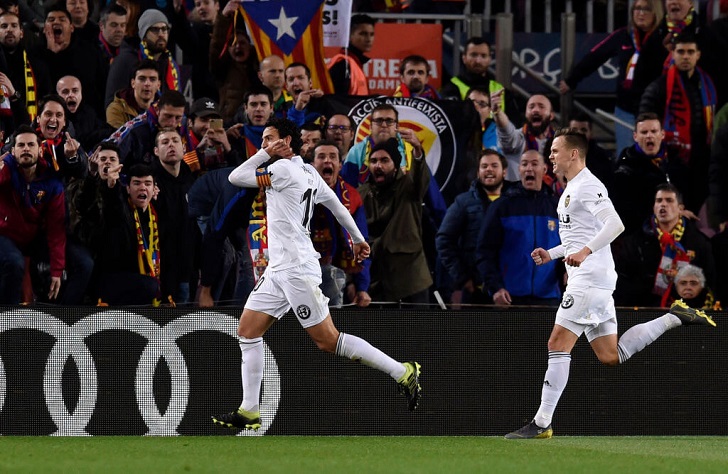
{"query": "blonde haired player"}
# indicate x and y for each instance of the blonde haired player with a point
(588, 223)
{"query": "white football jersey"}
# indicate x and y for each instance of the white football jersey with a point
(292, 188)
(582, 199)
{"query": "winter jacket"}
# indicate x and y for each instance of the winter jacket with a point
(639, 255)
(520, 221)
(619, 45)
(122, 67)
(123, 108)
(27, 209)
(635, 181)
(394, 219)
(458, 235)
(233, 79)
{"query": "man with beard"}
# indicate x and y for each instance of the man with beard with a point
(130, 265)
(177, 231)
(28, 77)
(89, 130)
(457, 237)
(523, 218)
(534, 134)
(67, 55)
(137, 99)
(154, 30)
(136, 137)
(112, 25)
(356, 168)
(330, 239)
(414, 74)
(385, 125)
(648, 260)
(298, 85)
(31, 201)
(393, 205)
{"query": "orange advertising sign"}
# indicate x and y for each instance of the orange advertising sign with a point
(382, 71)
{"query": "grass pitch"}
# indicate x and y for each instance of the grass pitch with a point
(296, 454)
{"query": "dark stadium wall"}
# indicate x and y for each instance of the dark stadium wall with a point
(89, 371)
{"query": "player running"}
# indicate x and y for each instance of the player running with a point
(588, 223)
(293, 275)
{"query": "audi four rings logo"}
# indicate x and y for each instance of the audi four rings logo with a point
(161, 343)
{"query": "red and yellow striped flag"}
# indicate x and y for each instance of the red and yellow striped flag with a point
(292, 29)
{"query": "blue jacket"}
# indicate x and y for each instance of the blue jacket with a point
(457, 238)
(514, 225)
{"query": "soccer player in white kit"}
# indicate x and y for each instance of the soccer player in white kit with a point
(293, 275)
(588, 223)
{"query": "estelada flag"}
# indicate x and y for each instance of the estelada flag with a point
(292, 29)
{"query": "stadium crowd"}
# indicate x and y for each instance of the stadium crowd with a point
(114, 188)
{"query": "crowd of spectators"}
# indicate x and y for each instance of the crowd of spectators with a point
(114, 189)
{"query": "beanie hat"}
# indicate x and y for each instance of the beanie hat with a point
(149, 18)
(391, 146)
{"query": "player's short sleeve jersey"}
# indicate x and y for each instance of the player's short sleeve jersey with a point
(292, 187)
(582, 199)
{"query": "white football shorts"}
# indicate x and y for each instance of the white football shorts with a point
(296, 287)
(588, 311)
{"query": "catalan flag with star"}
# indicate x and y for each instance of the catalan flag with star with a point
(292, 29)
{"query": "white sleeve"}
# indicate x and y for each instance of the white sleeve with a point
(557, 252)
(328, 198)
(244, 175)
(612, 228)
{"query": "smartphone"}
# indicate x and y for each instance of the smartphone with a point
(216, 124)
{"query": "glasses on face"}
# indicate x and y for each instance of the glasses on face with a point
(158, 29)
(481, 103)
(384, 122)
(341, 128)
(642, 9)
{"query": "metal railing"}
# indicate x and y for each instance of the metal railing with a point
(610, 8)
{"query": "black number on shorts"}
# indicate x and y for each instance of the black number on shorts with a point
(307, 200)
(260, 282)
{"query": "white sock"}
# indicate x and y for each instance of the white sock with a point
(640, 336)
(359, 350)
(251, 366)
(554, 384)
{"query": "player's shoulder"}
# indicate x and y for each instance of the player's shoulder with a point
(271, 171)
(590, 183)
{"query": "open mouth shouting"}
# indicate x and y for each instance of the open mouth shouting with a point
(327, 172)
(51, 129)
(141, 198)
(57, 31)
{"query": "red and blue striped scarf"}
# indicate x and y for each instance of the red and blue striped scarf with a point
(678, 110)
